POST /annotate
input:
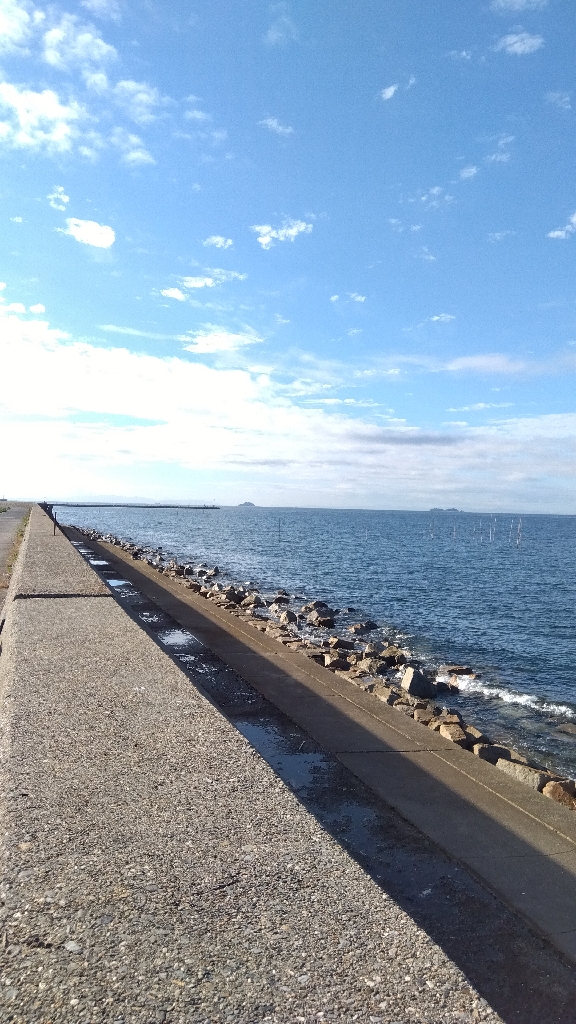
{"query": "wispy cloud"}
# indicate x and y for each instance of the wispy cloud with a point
(134, 332)
(72, 44)
(58, 198)
(461, 54)
(282, 29)
(216, 339)
(566, 231)
(560, 99)
(211, 277)
(132, 148)
(441, 318)
(490, 363)
(268, 236)
(479, 406)
(519, 43)
(499, 236)
(140, 101)
(356, 297)
(218, 241)
(273, 125)
(388, 92)
(468, 172)
(89, 232)
(513, 6)
(103, 8)
(173, 293)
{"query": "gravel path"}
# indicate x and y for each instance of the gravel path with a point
(155, 867)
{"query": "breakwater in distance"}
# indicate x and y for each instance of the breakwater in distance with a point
(493, 592)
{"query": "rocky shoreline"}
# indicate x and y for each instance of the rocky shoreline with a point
(387, 671)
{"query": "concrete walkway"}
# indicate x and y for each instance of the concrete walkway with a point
(154, 866)
(516, 841)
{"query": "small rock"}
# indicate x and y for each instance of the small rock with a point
(363, 627)
(564, 792)
(287, 617)
(451, 731)
(416, 683)
(320, 620)
(530, 776)
(474, 735)
(423, 715)
(491, 752)
(455, 670)
(72, 947)
(568, 728)
(335, 662)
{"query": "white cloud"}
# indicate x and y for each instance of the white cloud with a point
(560, 99)
(282, 30)
(519, 43)
(37, 120)
(13, 307)
(103, 8)
(289, 454)
(139, 101)
(212, 277)
(566, 231)
(96, 81)
(15, 26)
(217, 339)
(2, 285)
(16, 220)
(273, 124)
(134, 332)
(267, 235)
(513, 6)
(71, 44)
(38, 308)
(355, 297)
(468, 172)
(134, 152)
(197, 115)
(89, 232)
(218, 241)
(334, 298)
(491, 363)
(497, 158)
(173, 293)
(58, 198)
(461, 54)
(442, 318)
(388, 93)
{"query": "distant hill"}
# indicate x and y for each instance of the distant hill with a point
(250, 503)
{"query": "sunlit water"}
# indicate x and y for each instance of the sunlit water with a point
(490, 591)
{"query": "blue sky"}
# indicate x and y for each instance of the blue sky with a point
(296, 253)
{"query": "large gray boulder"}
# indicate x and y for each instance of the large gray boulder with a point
(416, 683)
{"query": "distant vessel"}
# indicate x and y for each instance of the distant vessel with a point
(444, 509)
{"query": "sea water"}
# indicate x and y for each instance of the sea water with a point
(497, 592)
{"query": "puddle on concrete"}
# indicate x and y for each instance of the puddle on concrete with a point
(118, 583)
(299, 770)
(176, 637)
(98, 562)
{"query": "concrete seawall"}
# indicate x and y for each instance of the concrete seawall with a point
(156, 868)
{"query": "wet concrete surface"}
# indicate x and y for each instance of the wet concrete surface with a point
(520, 976)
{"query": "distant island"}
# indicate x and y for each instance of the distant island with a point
(250, 503)
(444, 509)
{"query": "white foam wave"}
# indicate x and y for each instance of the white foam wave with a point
(175, 637)
(470, 685)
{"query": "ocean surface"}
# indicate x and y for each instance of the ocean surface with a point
(496, 592)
